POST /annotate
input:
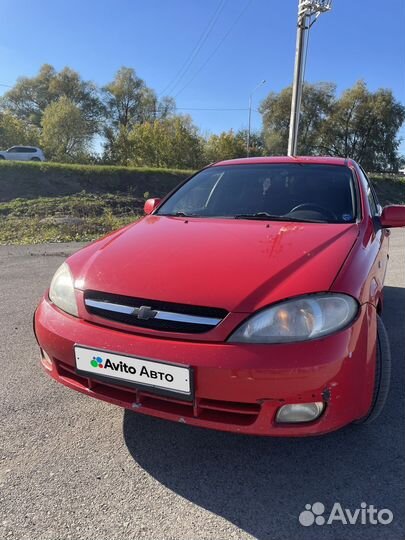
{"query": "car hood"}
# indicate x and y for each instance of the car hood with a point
(238, 265)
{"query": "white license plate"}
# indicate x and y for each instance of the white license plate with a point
(133, 370)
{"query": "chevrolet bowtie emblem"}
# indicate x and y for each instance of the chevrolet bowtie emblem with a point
(144, 313)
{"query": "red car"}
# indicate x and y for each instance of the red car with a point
(248, 300)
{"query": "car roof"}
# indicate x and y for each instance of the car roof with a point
(314, 160)
(23, 146)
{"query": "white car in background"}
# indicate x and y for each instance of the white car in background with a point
(23, 153)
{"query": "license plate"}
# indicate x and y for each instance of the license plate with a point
(130, 369)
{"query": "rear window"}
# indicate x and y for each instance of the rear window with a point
(304, 192)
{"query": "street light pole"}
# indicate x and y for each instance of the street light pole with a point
(308, 13)
(297, 87)
(250, 116)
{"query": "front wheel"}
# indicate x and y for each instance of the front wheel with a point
(382, 374)
(35, 159)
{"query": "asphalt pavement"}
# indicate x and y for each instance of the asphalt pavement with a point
(72, 467)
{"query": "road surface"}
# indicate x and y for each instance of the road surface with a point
(76, 468)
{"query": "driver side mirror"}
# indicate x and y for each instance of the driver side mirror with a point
(393, 216)
(150, 205)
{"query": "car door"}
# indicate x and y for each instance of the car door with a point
(24, 154)
(380, 238)
(11, 153)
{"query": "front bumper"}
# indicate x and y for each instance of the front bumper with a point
(238, 388)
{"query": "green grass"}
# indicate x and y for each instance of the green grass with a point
(34, 221)
(87, 169)
(36, 198)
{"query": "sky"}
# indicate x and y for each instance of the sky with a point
(245, 42)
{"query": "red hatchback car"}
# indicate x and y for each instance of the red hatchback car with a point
(248, 300)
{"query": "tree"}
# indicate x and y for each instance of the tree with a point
(275, 110)
(15, 132)
(360, 124)
(226, 145)
(30, 96)
(128, 102)
(364, 126)
(83, 94)
(317, 101)
(256, 146)
(171, 142)
(118, 148)
(65, 132)
(127, 99)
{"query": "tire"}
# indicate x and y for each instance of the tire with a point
(2, 157)
(35, 159)
(382, 374)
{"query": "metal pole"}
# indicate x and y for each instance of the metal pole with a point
(306, 10)
(297, 85)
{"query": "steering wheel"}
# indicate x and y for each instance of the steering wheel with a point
(316, 208)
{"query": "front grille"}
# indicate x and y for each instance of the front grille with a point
(219, 412)
(162, 316)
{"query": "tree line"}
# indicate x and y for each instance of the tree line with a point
(64, 114)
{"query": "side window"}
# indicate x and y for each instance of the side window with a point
(379, 207)
(373, 202)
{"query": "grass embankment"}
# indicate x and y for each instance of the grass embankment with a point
(81, 217)
(33, 180)
(47, 202)
(390, 188)
(65, 203)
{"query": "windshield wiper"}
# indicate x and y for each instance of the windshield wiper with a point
(178, 214)
(271, 217)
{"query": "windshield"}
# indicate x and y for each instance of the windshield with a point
(291, 192)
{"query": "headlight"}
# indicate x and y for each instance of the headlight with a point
(62, 292)
(299, 319)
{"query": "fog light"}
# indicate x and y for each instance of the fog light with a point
(46, 360)
(299, 412)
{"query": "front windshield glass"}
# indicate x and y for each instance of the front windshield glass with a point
(293, 192)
